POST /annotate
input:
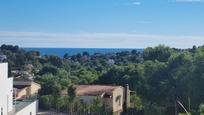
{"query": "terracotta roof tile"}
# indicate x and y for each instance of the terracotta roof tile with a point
(82, 90)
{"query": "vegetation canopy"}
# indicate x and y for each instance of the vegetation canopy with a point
(157, 75)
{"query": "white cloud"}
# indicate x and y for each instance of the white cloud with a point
(96, 40)
(136, 3)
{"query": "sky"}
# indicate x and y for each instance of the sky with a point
(102, 23)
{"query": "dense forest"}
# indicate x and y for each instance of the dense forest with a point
(158, 76)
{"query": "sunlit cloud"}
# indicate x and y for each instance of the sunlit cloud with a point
(96, 40)
(136, 3)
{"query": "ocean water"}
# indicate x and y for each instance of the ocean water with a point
(72, 51)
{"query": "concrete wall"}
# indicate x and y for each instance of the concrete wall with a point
(22, 93)
(6, 90)
(31, 109)
(118, 96)
(34, 88)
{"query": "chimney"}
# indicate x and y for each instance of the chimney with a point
(127, 97)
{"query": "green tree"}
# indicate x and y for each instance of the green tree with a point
(160, 53)
(46, 101)
(201, 109)
(136, 102)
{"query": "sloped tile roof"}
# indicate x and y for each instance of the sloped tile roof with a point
(84, 90)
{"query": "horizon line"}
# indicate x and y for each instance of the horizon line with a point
(98, 40)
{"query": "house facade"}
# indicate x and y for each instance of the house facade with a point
(114, 97)
(25, 88)
(6, 91)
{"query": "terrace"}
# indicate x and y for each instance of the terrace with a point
(21, 104)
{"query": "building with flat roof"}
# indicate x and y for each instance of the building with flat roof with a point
(8, 105)
(6, 91)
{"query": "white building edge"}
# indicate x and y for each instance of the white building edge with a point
(8, 106)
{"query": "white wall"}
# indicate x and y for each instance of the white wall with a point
(31, 109)
(6, 90)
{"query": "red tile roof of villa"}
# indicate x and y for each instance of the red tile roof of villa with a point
(82, 90)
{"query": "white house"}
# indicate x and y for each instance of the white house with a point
(8, 106)
(6, 91)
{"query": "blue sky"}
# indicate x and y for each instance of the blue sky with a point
(102, 23)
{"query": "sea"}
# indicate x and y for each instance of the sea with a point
(73, 51)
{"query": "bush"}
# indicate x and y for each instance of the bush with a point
(46, 102)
